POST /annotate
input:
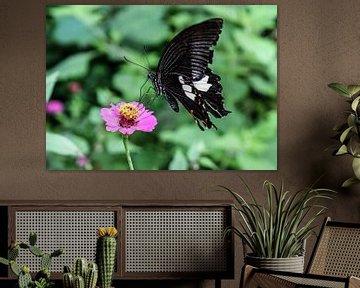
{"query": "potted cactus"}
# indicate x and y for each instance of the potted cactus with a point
(42, 278)
(106, 254)
(84, 275)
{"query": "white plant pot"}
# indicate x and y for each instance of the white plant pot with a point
(291, 264)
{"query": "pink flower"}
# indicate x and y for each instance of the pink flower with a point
(82, 161)
(54, 107)
(127, 118)
(74, 87)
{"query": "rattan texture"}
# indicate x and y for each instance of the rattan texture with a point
(175, 241)
(75, 231)
(261, 280)
(338, 252)
(299, 281)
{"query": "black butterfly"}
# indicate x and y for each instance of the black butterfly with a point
(183, 73)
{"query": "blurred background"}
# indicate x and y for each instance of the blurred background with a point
(85, 46)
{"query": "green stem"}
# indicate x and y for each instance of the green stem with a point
(127, 151)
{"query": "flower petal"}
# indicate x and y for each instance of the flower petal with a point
(126, 131)
(147, 124)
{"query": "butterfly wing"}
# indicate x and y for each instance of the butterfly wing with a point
(189, 52)
(185, 76)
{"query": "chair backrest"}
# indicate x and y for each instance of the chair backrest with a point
(337, 251)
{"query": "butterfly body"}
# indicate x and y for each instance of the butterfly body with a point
(183, 74)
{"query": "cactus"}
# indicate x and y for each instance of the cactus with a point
(13, 253)
(14, 268)
(57, 253)
(79, 282)
(4, 261)
(24, 278)
(68, 280)
(36, 251)
(91, 276)
(43, 274)
(67, 269)
(45, 261)
(106, 254)
(89, 272)
(32, 239)
(80, 267)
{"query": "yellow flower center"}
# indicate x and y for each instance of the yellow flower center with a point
(129, 111)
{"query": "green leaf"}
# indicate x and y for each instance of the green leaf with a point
(356, 167)
(342, 150)
(50, 83)
(258, 17)
(105, 97)
(353, 89)
(75, 66)
(179, 161)
(349, 182)
(345, 134)
(351, 120)
(262, 50)
(195, 150)
(340, 88)
(263, 86)
(148, 29)
(208, 163)
(355, 103)
(72, 30)
(61, 145)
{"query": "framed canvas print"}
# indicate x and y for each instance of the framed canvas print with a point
(161, 87)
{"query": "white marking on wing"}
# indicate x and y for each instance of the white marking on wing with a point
(181, 80)
(202, 84)
(190, 95)
(187, 89)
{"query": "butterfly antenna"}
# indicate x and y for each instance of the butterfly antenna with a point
(132, 62)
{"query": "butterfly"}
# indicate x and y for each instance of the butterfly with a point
(183, 74)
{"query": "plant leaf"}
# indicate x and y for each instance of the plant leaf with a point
(179, 161)
(356, 167)
(355, 103)
(340, 88)
(342, 150)
(61, 145)
(344, 134)
(349, 182)
(353, 89)
(74, 66)
(50, 84)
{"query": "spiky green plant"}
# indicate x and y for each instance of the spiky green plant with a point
(279, 229)
(106, 254)
(84, 273)
(42, 278)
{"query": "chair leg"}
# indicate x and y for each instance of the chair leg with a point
(217, 283)
(246, 274)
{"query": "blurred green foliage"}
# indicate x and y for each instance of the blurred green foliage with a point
(85, 49)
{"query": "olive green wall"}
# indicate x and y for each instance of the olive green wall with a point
(319, 43)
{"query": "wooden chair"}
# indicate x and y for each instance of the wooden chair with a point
(335, 262)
